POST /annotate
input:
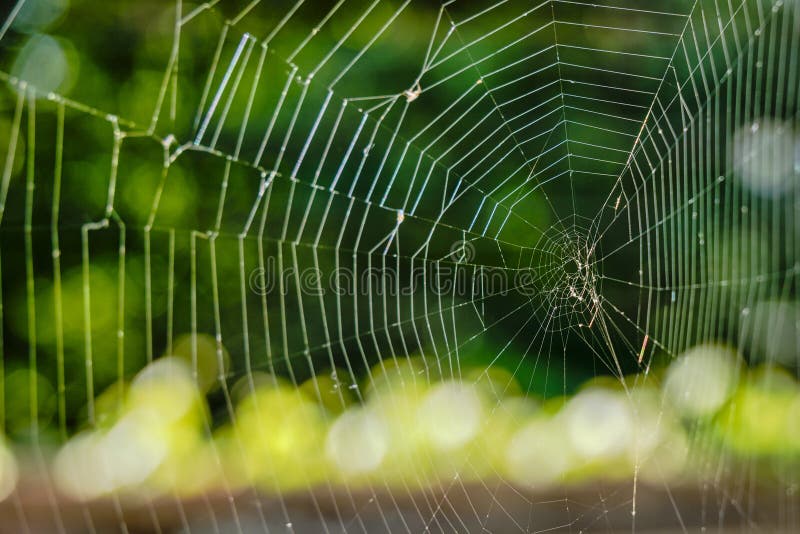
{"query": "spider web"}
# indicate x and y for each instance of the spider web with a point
(346, 185)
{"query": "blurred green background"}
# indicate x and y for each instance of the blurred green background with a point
(118, 234)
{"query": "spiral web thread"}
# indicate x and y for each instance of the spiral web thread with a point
(589, 163)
